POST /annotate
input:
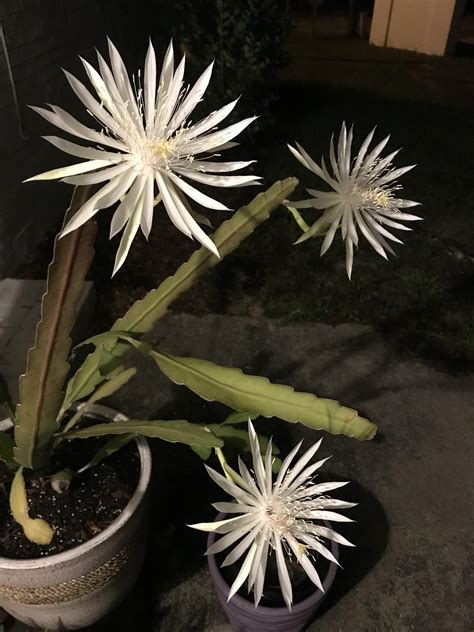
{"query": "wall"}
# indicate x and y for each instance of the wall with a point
(40, 37)
(418, 25)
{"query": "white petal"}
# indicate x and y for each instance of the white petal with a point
(62, 172)
(305, 475)
(231, 537)
(268, 467)
(91, 104)
(68, 123)
(311, 203)
(257, 461)
(380, 229)
(304, 561)
(127, 207)
(166, 76)
(332, 158)
(147, 213)
(374, 154)
(381, 218)
(259, 580)
(249, 480)
(171, 198)
(318, 546)
(123, 85)
(225, 526)
(197, 196)
(169, 100)
(240, 548)
(217, 181)
(170, 206)
(89, 208)
(99, 176)
(328, 239)
(327, 515)
(128, 235)
(219, 167)
(371, 238)
(208, 123)
(407, 204)
(192, 99)
(349, 257)
(299, 465)
(283, 576)
(320, 488)
(327, 533)
(244, 571)
(333, 503)
(231, 488)
(227, 508)
(149, 86)
(404, 217)
(393, 175)
(362, 152)
(286, 464)
(89, 153)
(214, 139)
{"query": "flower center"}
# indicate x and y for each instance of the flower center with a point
(374, 198)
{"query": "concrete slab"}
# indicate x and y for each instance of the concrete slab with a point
(20, 310)
(413, 565)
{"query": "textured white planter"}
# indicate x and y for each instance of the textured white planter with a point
(78, 587)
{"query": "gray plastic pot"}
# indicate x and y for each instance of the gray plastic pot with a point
(245, 617)
(78, 587)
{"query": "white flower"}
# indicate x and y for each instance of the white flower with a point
(363, 197)
(145, 137)
(277, 515)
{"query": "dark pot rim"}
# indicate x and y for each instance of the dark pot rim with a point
(249, 606)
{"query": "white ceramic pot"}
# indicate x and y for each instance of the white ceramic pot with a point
(78, 587)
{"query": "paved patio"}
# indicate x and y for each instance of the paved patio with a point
(412, 568)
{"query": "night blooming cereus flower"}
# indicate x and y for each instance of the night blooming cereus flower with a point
(364, 196)
(278, 514)
(145, 138)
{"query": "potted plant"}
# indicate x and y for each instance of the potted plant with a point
(146, 139)
(279, 529)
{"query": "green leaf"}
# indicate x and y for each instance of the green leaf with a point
(143, 314)
(238, 438)
(203, 453)
(107, 449)
(107, 389)
(175, 431)
(41, 387)
(6, 449)
(239, 417)
(251, 392)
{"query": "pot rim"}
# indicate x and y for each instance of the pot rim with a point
(249, 606)
(144, 452)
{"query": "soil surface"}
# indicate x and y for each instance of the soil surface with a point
(93, 501)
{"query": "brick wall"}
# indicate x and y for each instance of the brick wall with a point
(41, 36)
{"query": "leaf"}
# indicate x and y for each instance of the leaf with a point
(105, 390)
(175, 431)
(6, 449)
(35, 529)
(106, 450)
(203, 453)
(41, 386)
(143, 314)
(238, 438)
(239, 417)
(241, 391)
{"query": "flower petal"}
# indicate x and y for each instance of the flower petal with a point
(192, 99)
(283, 575)
(127, 206)
(148, 208)
(99, 176)
(214, 139)
(244, 571)
(217, 181)
(128, 235)
(62, 172)
(196, 195)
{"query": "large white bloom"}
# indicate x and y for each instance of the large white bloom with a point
(277, 515)
(145, 138)
(364, 196)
